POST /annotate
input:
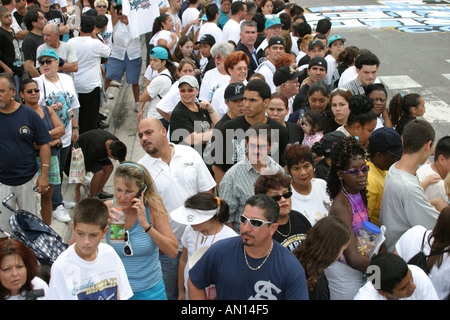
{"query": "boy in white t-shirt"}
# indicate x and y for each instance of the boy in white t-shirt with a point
(393, 279)
(89, 269)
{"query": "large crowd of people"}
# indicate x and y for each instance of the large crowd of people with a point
(275, 167)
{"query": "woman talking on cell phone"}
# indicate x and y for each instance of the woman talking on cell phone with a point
(146, 230)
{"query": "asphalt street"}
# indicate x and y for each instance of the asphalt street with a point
(411, 39)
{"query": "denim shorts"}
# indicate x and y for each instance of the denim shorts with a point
(116, 69)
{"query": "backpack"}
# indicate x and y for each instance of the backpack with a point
(420, 259)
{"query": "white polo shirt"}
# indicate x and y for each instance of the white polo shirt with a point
(184, 176)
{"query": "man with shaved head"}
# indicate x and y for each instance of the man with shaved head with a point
(178, 172)
(68, 61)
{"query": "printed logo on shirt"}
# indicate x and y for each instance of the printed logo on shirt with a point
(139, 4)
(24, 130)
(264, 291)
(103, 290)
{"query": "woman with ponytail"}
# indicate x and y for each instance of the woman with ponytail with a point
(404, 108)
(204, 216)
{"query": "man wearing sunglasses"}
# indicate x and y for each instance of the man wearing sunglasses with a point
(266, 269)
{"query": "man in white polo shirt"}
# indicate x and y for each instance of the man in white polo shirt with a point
(178, 172)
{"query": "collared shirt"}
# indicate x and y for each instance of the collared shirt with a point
(184, 176)
(354, 86)
(237, 185)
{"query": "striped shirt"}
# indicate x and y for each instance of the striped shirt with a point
(143, 267)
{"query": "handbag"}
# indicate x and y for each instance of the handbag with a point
(77, 171)
(420, 259)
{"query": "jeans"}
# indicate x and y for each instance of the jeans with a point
(57, 198)
(169, 268)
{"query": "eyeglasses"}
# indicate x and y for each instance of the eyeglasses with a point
(190, 90)
(127, 250)
(257, 223)
(46, 61)
(286, 195)
(355, 171)
(31, 91)
(241, 69)
(101, 6)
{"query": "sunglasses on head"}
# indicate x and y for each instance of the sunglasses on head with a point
(46, 61)
(286, 195)
(355, 171)
(31, 91)
(257, 223)
(127, 250)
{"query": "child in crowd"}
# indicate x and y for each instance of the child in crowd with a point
(88, 269)
(404, 108)
(313, 125)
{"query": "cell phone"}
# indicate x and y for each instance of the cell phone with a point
(141, 189)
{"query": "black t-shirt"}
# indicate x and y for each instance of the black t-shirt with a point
(321, 169)
(295, 132)
(8, 52)
(92, 143)
(233, 138)
(30, 44)
(183, 122)
(291, 234)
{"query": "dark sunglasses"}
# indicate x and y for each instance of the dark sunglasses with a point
(257, 223)
(355, 171)
(31, 91)
(101, 6)
(127, 250)
(286, 195)
(46, 61)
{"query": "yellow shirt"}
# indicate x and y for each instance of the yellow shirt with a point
(375, 186)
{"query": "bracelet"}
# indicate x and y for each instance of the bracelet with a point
(45, 165)
(73, 128)
(148, 229)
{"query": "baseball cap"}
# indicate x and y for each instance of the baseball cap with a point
(234, 91)
(190, 80)
(159, 52)
(318, 61)
(386, 139)
(272, 21)
(207, 39)
(276, 40)
(188, 216)
(334, 38)
(284, 74)
(315, 42)
(48, 53)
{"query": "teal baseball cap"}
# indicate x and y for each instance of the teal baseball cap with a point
(159, 52)
(334, 38)
(48, 53)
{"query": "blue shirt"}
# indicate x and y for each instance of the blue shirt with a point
(20, 131)
(143, 267)
(281, 277)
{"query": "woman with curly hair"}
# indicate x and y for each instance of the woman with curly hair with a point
(346, 186)
(323, 245)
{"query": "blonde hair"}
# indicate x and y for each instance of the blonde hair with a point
(134, 173)
(97, 2)
(447, 184)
